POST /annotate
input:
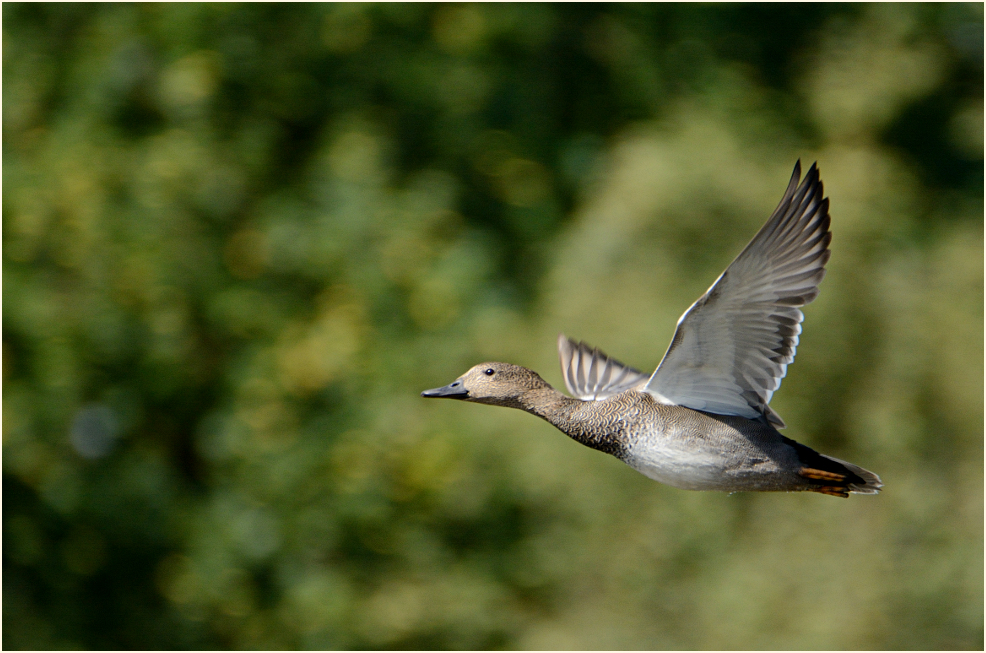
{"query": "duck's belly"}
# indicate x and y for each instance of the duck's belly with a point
(702, 465)
(678, 467)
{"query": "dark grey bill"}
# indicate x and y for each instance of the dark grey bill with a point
(454, 390)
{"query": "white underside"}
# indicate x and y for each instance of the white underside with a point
(680, 467)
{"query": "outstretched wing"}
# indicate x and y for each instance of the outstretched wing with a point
(592, 375)
(732, 347)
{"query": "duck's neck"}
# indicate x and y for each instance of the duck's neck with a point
(547, 403)
(593, 428)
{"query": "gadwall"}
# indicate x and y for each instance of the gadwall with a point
(701, 420)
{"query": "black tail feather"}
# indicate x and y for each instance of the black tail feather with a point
(833, 476)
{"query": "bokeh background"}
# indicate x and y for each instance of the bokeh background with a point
(239, 239)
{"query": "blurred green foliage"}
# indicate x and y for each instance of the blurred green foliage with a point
(238, 240)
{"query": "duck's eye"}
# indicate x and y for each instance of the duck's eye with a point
(489, 372)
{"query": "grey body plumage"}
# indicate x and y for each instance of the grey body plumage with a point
(701, 421)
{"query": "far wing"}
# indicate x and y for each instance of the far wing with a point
(592, 375)
(732, 347)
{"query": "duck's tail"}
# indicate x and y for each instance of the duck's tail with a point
(832, 476)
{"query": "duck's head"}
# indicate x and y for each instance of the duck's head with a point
(500, 384)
